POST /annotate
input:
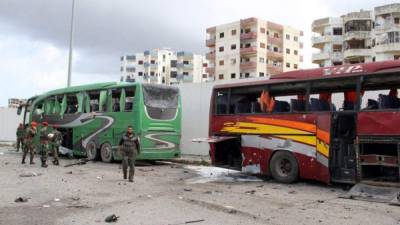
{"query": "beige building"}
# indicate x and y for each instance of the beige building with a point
(164, 66)
(15, 102)
(358, 37)
(252, 48)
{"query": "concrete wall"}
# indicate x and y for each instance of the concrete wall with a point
(9, 121)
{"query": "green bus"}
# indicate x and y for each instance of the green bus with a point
(94, 117)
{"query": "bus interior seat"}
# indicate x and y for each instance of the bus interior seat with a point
(128, 106)
(255, 107)
(221, 108)
(347, 105)
(372, 104)
(297, 105)
(388, 102)
(242, 107)
(94, 107)
(281, 106)
(319, 105)
(116, 107)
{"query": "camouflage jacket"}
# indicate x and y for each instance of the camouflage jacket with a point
(20, 132)
(30, 133)
(57, 138)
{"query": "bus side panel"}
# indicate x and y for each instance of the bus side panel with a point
(378, 123)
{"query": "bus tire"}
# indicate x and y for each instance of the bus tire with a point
(106, 152)
(284, 167)
(91, 151)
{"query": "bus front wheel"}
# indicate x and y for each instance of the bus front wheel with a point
(91, 151)
(284, 167)
(106, 152)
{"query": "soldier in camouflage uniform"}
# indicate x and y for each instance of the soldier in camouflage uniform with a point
(129, 146)
(44, 143)
(20, 137)
(30, 134)
(55, 143)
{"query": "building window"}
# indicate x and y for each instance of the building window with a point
(140, 62)
(262, 30)
(152, 73)
(247, 30)
(221, 62)
(397, 20)
(185, 73)
(152, 61)
(262, 45)
(267, 32)
(163, 69)
(337, 31)
(261, 74)
(268, 47)
(233, 46)
(395, 57)
(122, 69)
(276, 35)
(221, 49)
(295, 52)
(233, 32)
(221, 35)
(247, 45)
(261, 60)
(287, 65)
(295, 66)
(276, 49)
(140, 74)
(295, 38)
(287, 37)
(233, 75)
(221, 76)
(122, 58)
(287, 51)
(233, 61)
(247, 75)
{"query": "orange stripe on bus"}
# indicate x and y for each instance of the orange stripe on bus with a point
(323, 135)
(286, 123)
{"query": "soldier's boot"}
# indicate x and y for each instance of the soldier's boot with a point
(125, 174)
(23, 158)
(31, 159)
(55, 162)
(44, 165)
(131, 174)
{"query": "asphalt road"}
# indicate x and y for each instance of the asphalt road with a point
(170, 194)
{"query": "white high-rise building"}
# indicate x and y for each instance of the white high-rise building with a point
(358, 37)
(252, 48)
(164, 66)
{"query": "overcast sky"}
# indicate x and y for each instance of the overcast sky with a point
(34, 34)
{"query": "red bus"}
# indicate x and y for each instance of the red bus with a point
(335, 124)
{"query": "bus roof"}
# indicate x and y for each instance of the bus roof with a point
(324, 73)
(88, 87)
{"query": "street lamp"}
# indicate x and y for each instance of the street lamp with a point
(70, 45)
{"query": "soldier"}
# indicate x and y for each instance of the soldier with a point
(44, 144)
(129, 146)
(30, 134)
(20, 137)
(55, 143)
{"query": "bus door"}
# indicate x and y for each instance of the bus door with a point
(342, 148)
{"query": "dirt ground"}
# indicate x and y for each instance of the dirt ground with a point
(170, 194)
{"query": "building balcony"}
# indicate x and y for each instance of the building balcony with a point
(210, 56)
(361, 15)
(359, 35)
(211, 30)
(387, 9)
(274, 69)
(336, 56)
(248, 51)
(318, 41)
(184, 65)
(274, 26)
(210, 70)
(248, 21)
(388, 47)
(386, 27)
(275, 55)
(319, 25)
(248, 65)
(321, 56)
(275, 40)
(356, 52)
(250, 35)
(151, 65)
(184, 54)
(210, 42)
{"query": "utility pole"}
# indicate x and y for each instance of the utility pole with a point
(70, 45)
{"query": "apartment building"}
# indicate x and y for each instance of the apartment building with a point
(15, 102)
(252, 48)
(358, 37)
(164, 66)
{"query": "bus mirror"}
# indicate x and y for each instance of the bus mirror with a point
(19, 110)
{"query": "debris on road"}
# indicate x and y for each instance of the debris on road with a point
(69, 172)
(145, 170)
(292, 192)
(250, 192)
(21, 199)
(188, 222)
(79, 206)
(111, 218)
(320, 201)
(29, 174)
(46, 206)
(217, 174)
(187, 189)
(79, 162)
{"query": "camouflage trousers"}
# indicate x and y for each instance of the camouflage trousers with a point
(20, 143)
(54, 152)
(128, 161)
(28, 147)
(43, 151)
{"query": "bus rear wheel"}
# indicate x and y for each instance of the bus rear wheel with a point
(91, 151)
(284, 167)
(106, 152)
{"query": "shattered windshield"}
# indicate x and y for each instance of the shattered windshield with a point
(160, 96)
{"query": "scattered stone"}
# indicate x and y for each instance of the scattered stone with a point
(149, 196)
(75, 198)
(29, 174)
(79, 206)
(111, 218)
(46, 206)
(320, 201)
(292, 192)
(56, 199)
(187, 189)
(260, 186)
(69, 172)
(185, 171)
(6, 163)
(207, 192)
(21, 199)
(251, 192)
(146, 170)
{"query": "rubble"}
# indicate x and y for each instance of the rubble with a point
(111, 218)
(29, 174)
(21, 199)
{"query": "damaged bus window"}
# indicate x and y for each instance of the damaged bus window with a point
(161, 101)
(129, 99)
(221, 102)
